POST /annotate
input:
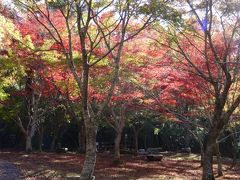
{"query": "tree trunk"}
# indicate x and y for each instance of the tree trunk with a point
(234, 151)
(40, 140)
(234, 161)
(187, 140)
(208, 156)
(207, 164)
(117, 142)
(53, 143)
(119, 123)
(219, 161)
(202, 154)
(30, 133)
(135, 140)
(145, 141)
(90, 158)
(28, 143)
(81, 138)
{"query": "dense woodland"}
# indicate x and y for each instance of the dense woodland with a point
(121, 76)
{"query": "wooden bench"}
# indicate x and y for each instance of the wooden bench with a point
(154, 154)
(154, 157)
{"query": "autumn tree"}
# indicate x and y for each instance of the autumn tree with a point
(123, 102)
(86, 27)
(208, 48)
(173, 93)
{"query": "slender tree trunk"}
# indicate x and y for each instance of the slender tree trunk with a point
(234, 161)
(40, 136)
(90, 158)
(187, 140)
(53, 143)
(136, 144)
(135, 131)
(117, 142)
(219, 161)
(234, 151)
(145, 141)
(119, 123)
(202, 154)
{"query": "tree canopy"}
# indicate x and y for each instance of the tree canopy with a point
(123, 65)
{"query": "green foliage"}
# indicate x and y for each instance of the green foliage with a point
(10, 74)
(57, 3)
(101, 3)
(7, 31)
(10, 69)
(161, 9)
(156, 131)
(11, 108)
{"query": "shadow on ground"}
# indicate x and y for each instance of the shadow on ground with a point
(61, 166)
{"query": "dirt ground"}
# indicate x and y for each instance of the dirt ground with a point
(68, 166)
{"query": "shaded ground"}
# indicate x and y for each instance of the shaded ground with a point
(61, 166)
(9, 171)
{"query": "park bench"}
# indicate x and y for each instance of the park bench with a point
(61, 150)
(142, 152)
(154, 154)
